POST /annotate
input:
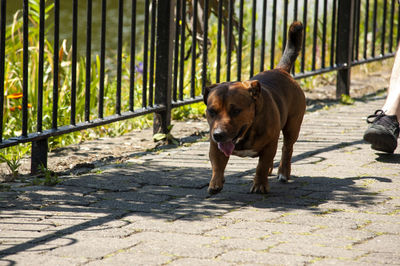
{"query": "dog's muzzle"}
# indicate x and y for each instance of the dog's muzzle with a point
(225, 144)
(219, 135)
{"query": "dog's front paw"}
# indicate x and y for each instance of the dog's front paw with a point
(283, 178)
(215, 186)
(261, 188)
(214, 190)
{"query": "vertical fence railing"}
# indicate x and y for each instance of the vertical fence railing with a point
(178, 26)
(182, 50)
(25, 59)
(152, 50)
(39, 116)
(193, 50)
(88, 59)
(315, 34)
(240, 41)
(366, 23)
(119, 55)
(263, 33)
(145, 53)
(205, 44)
(2, 62)
(253, 37)
(132, 54)
(176, 48)
(323, 41)
(103, 57)
(56, 62)
(333, 33)
(273, 33)
(219, 38)
(229, 41)
(74, 60)
(392, 8)
(356, 42)
(285, 23)
(303, 49)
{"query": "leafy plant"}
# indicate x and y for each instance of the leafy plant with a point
(47, 177)
(13, 165)
(346, 99)
(167, 137)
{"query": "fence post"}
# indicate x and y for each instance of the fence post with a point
(344, 46)
(164, 55)
(39, 155)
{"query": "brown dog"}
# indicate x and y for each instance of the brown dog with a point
(246, 118)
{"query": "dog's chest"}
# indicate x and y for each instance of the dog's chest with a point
(245, 147)
(245, 153)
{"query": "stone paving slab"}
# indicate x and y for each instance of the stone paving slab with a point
(341, 208)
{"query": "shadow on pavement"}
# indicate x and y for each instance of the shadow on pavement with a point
(156, 191)
(388, 158)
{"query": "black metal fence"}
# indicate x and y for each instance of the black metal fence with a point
(183, 46)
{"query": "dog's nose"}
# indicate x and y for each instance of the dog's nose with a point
(219, 135)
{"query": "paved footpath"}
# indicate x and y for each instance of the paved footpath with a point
(342, 207)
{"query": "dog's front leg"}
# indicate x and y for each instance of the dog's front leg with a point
(218, 163)
(264, 167)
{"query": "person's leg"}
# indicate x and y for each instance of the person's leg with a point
(392, 104)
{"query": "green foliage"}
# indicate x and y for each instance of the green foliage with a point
(13, 164)
(166, 137)
(14, 67)
(13, 87)
(46, 178)
(192, 111)
(346, 99)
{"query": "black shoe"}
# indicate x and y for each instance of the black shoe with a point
(383, 132)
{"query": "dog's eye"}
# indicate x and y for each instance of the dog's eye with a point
(212, 112)
(235, 111)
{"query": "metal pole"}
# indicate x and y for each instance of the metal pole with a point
(164, 62)
(39, 155)
(40, 148)
(2, 62)
(344, 46)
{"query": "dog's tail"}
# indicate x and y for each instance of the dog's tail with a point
(293, 46)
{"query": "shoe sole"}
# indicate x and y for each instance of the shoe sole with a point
(381, 142)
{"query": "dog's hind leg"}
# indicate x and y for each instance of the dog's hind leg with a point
(270, 169)
(290, 135)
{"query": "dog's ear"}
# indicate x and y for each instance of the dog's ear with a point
(253, 86)
(207, 91)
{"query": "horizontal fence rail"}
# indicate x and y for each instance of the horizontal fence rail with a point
(67, 66)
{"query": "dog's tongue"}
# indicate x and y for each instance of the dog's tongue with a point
(226, 147)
